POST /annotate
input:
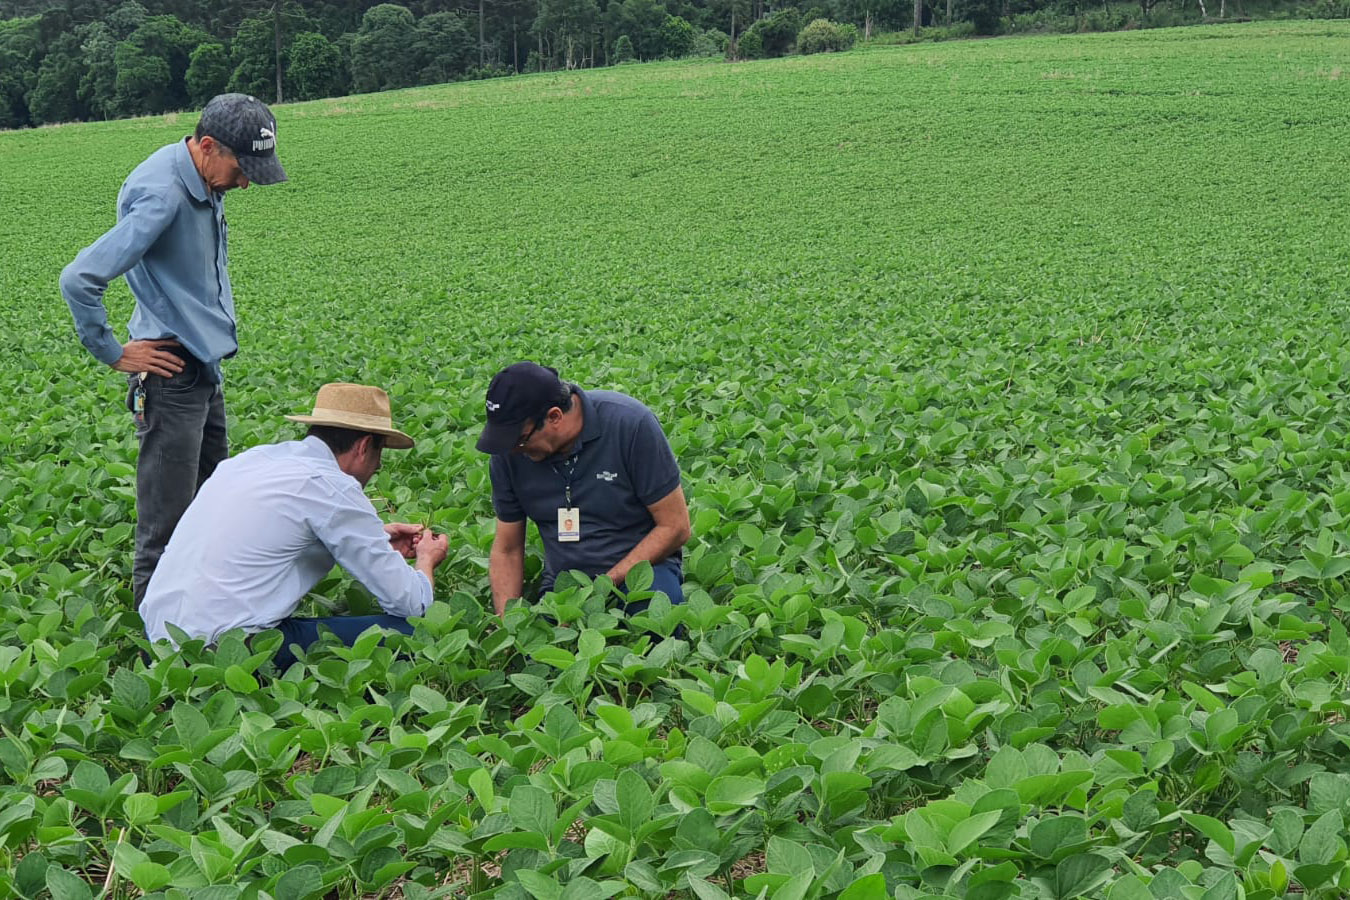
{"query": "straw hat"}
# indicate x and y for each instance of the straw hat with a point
(358, 407)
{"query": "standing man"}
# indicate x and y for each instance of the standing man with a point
(170, 242)
(595, 473)
(273, 520)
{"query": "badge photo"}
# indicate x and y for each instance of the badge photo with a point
(569, 523)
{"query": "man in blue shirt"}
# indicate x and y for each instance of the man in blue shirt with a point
(170, 242)
(595, 473)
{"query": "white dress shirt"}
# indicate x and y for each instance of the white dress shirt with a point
(262, 531)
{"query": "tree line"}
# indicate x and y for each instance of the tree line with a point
(77, 60)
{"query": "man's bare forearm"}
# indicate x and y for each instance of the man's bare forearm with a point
(659, 543)
(427, 568)
(506, 573)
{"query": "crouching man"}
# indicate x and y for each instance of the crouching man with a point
(272, 521)
(593, 470)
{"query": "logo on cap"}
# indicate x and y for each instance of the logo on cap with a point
(493, 407)
(268, 140)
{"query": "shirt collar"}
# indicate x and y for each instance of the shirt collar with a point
(322, 455)
(590, 427)
(590, 422)
(312, 446)
(188, 174)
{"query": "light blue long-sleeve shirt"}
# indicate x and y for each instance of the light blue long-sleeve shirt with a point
(261, 532)
(170, 242)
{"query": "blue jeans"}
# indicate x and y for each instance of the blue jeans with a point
(666, 579)
(182, 440)
(347, 629)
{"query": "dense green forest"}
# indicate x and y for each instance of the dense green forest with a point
(72, 60)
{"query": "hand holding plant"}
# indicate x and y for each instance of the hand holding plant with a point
(404, 537)
(431, 548)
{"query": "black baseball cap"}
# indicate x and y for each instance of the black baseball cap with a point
(518, 393)
(248, 128)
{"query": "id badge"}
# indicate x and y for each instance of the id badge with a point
(138, 401)
(569, 523)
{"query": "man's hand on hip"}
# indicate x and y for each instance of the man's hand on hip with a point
(149, 356)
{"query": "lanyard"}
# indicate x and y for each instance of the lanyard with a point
(567, 479)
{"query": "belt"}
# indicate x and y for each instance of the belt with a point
(181, 353)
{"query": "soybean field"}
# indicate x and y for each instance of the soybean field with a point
(1009, 383)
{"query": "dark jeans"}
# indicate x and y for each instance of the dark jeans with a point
(666, 579)
(182, 440)
(347, 629)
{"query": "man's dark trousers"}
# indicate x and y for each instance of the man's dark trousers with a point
(666, 578)
(305, 632)
(182, 440)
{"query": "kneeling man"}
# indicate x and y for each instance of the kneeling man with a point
(272, 521)
(596, 474)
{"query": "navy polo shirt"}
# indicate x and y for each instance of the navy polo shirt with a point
(623, 464)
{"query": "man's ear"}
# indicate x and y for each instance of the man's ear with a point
(209, 145)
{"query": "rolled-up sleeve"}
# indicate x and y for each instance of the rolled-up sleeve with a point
(355, 537)
(85, 280)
